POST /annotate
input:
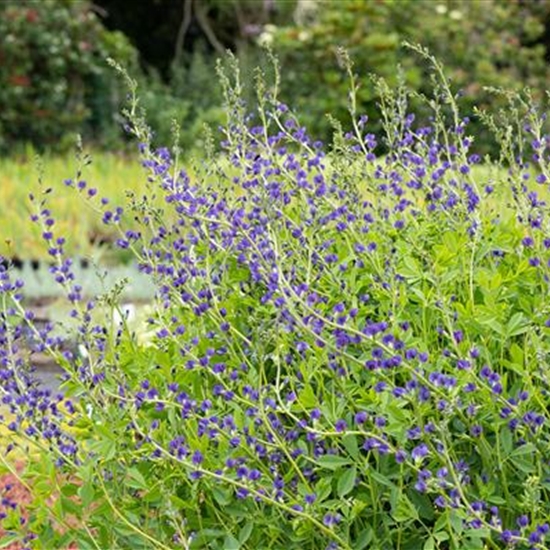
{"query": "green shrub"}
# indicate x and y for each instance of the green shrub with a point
(481, 42)
(192, 97)
(54, 81)
(347, 351)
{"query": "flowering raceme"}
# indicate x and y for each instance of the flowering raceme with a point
(349, 349)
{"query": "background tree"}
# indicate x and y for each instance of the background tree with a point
(54, 81)
(53, 77)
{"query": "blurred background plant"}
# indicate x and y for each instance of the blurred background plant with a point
(500, 43)
(54, 81)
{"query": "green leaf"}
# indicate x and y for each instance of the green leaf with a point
(332, 462)
(516, 353)
(221, 496)
(411, 269)
(418, 293)
(457, 522)
(396, 413)
(323, 488)
(422, 504)
(449, 275)
(105, 448)
(86, 493)
(450, 241)
(404, 511)
(346, 482)
(307, 397)
(383, 480)
(231, 543)
(69, 489)
(441, 523)
(7, 540)
(84, 544)
(178, 502)
(246, 531)
(350, 443)
(506, 442)
(104, 535)
(203, 538)
(526, 449)
(518, 324)
(364, 538)
(42, 488)
(482, 533)
(496, 326)
(154, 495)
(136, 481)
(70, 507)
(523, 464)
(429, 544)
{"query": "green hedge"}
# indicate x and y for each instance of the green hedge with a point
(480, 42)
(54, 81)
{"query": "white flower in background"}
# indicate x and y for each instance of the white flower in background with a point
(266, 36)
(126, 313)
(82, 351)
(305, 12)
(455, 15)
(441, 9)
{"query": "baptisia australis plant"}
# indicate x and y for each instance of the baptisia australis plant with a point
(350, 350)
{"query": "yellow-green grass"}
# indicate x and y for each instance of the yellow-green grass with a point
(112, 175)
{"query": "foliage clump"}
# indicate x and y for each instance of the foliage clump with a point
(53, 78)
(348, 350)
(481, 42)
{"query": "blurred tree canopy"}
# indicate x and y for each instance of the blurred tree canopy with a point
(54, 80)
(164, 31)
(499, 43)
(53, 77)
